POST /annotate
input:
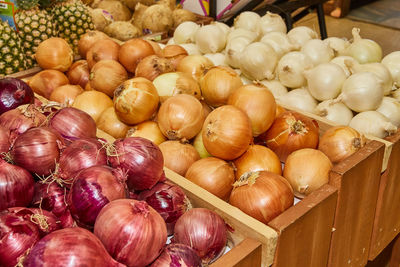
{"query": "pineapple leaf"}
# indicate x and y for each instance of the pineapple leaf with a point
(27, 4)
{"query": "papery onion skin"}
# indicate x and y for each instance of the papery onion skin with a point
(213, 174)
(262, 195)
(227, 132)
(44, 82)
(339, 142)
(17, 235)
(174, 53)
(66, 94)
(168, 200)
(178, 156)
(199, 146)
(70, 247)
(194, 65)
(72, 124)
(176, 254)
(148, 130)
(141, 159)
(78, 73)
(54, 53)
(38, 150)
(111, 124)
(14, 92)
(203, 230)
(92, 189)
(132, 51)
(16, 186)
(103, 49)
(88, 39)
(292, 131)
(132, 231)
(152, 66)
(93, 103)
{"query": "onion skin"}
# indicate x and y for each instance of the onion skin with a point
(66, 94)
(54, 53)
(14, 92)
(141, 159)
(176, 254)
(263, 195)
(194, 65)
(110, 123)
(104, 49)
(16, 186)
(88, 39)
(132, 231)
(93, 103)
(132, 51)
(174, 53)
(152, 66)
(203, 230)
(168, 200)
(70, 247)
(292, 131)
(78, 73)
(4, 140)
(92, 189)
(37, 150)
(148, 130)
(44, 82)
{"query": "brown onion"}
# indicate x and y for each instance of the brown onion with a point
(307, 170)
(279, 110)
(173, 83)
(152, 66)
(292, 131)
(174, 252)
(135, 100)
(227, 132)
(101, 50)
(93, 103)
(133, 51)
(258, 103)
(109, 123)
(78, 73)
(263, 195)
(174, 53)
(180, 117)
(339, 142)
(66, 94)
(218, 83)
(106, 76)
(88, 39)
(142, 228)
(148, 130)
(44, 82)
(194, 65)
(257, 158)
(178, 156)
(156, 47)
(213, 174)
(54, 53)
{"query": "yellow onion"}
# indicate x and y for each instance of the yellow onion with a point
(135, 100)
(213, 174)
(54, 53)
(106, 76)
(180, 117)
(174, 53)
(88, 39)
(93, 103)
(148, 130)
(173, 83)
(78, 73)
(66, 94)
(227, 132)
(44, 82)
(152, 66)
(178, 156)
(132, 51)
(102, 50)
(195, 65)
(199, 146)
(258, 103)
(218, 83)
(109, 123)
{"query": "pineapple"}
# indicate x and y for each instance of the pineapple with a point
(12, 55)
(72, 19)
(34, 26)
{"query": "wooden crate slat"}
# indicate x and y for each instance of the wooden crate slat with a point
(306, 242)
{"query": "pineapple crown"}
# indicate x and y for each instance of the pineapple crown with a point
(27, 4)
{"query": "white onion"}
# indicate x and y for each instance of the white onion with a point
(276, 88)
(363, 50)
(225, 28)
(301, 34)
(299, 98)
(291, 67)
(233, 50)
(210, 39)
(362, 91)
(392, 62)
(258, 61)
(252, 36)
(336, 112)
(185, 32)
(279, 42)
(338, 45)
(171, 41)
(271, 22)
(390, 108)
(191, 49)
(372, 123)
(245, 80)
(318, 51)
(218, 59)
(343, 61)
(325, 81)
(248, 20)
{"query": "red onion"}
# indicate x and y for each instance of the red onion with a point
(80, 154)
(46, 221)
(177, 255)
(17, 235)
(141, 159)
(16, 186)
(132, 231)
(167, 199)
(13, 93)
(70, 247)
(92, 189)
(19, 120)
(37, 150)
(4, 140)
(73, 123)
(204, 230)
